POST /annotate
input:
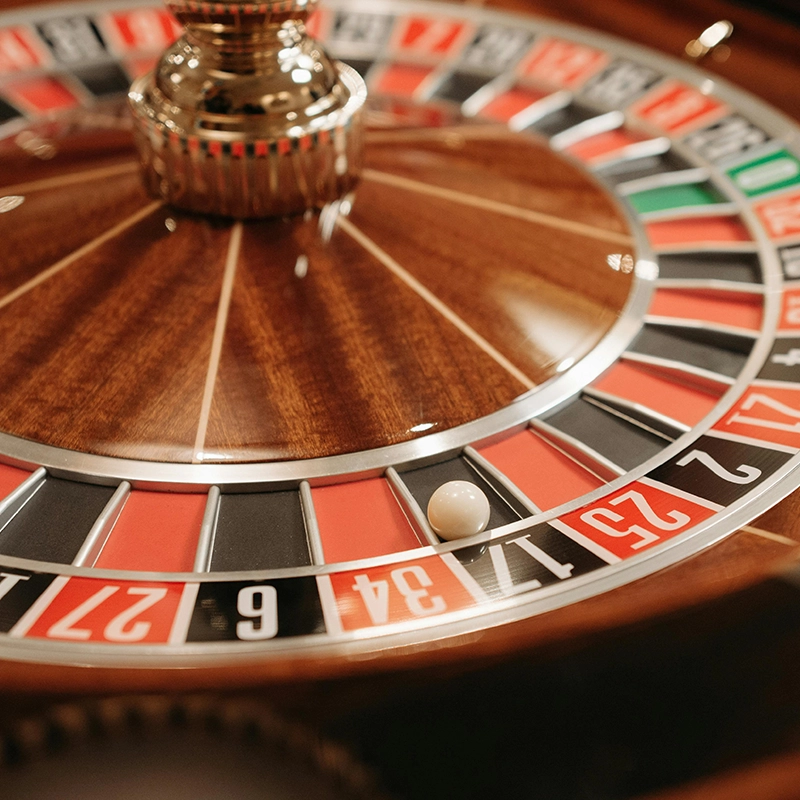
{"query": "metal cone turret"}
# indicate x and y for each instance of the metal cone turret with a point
(246, 115)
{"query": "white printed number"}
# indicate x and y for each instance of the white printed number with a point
(412, 583)
(9, 581)
(599, 518)
(117, 630)
(775, 405)
(260, 605)
(750, 473)
(792, 358)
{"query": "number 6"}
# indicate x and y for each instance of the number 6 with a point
(266, 612)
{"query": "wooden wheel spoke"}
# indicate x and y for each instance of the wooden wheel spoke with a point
(71, 178)
(76, 255)
(387, 261)
(231, 262)
(493, 206)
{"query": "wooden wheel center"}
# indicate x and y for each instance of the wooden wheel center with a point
(472, 267)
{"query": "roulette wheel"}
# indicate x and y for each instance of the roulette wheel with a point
(534, 378)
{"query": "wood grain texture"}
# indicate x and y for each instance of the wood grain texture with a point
(348, 358)
(344, 359)
(77, 151)
(113, 349)
(52, 224)
(514, 169)
(110, 355)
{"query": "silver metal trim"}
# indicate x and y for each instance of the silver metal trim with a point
(637, 423)
(602, 123)
(474, 103)
(97, 537)
(657, 146)
(703, 376)
(16, 501)
(690, 212)
(662, 180)
(582, 454)
(315, 547)
(700, 325)
(539, 109)
(606, 398)
(763, 443)
(711, 247)
(710, 284)
(208, 532)
(482, 465)
(416, 516)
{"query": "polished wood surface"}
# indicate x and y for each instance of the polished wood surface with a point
(110, 338)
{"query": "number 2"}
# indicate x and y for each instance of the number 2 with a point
(750, 473)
